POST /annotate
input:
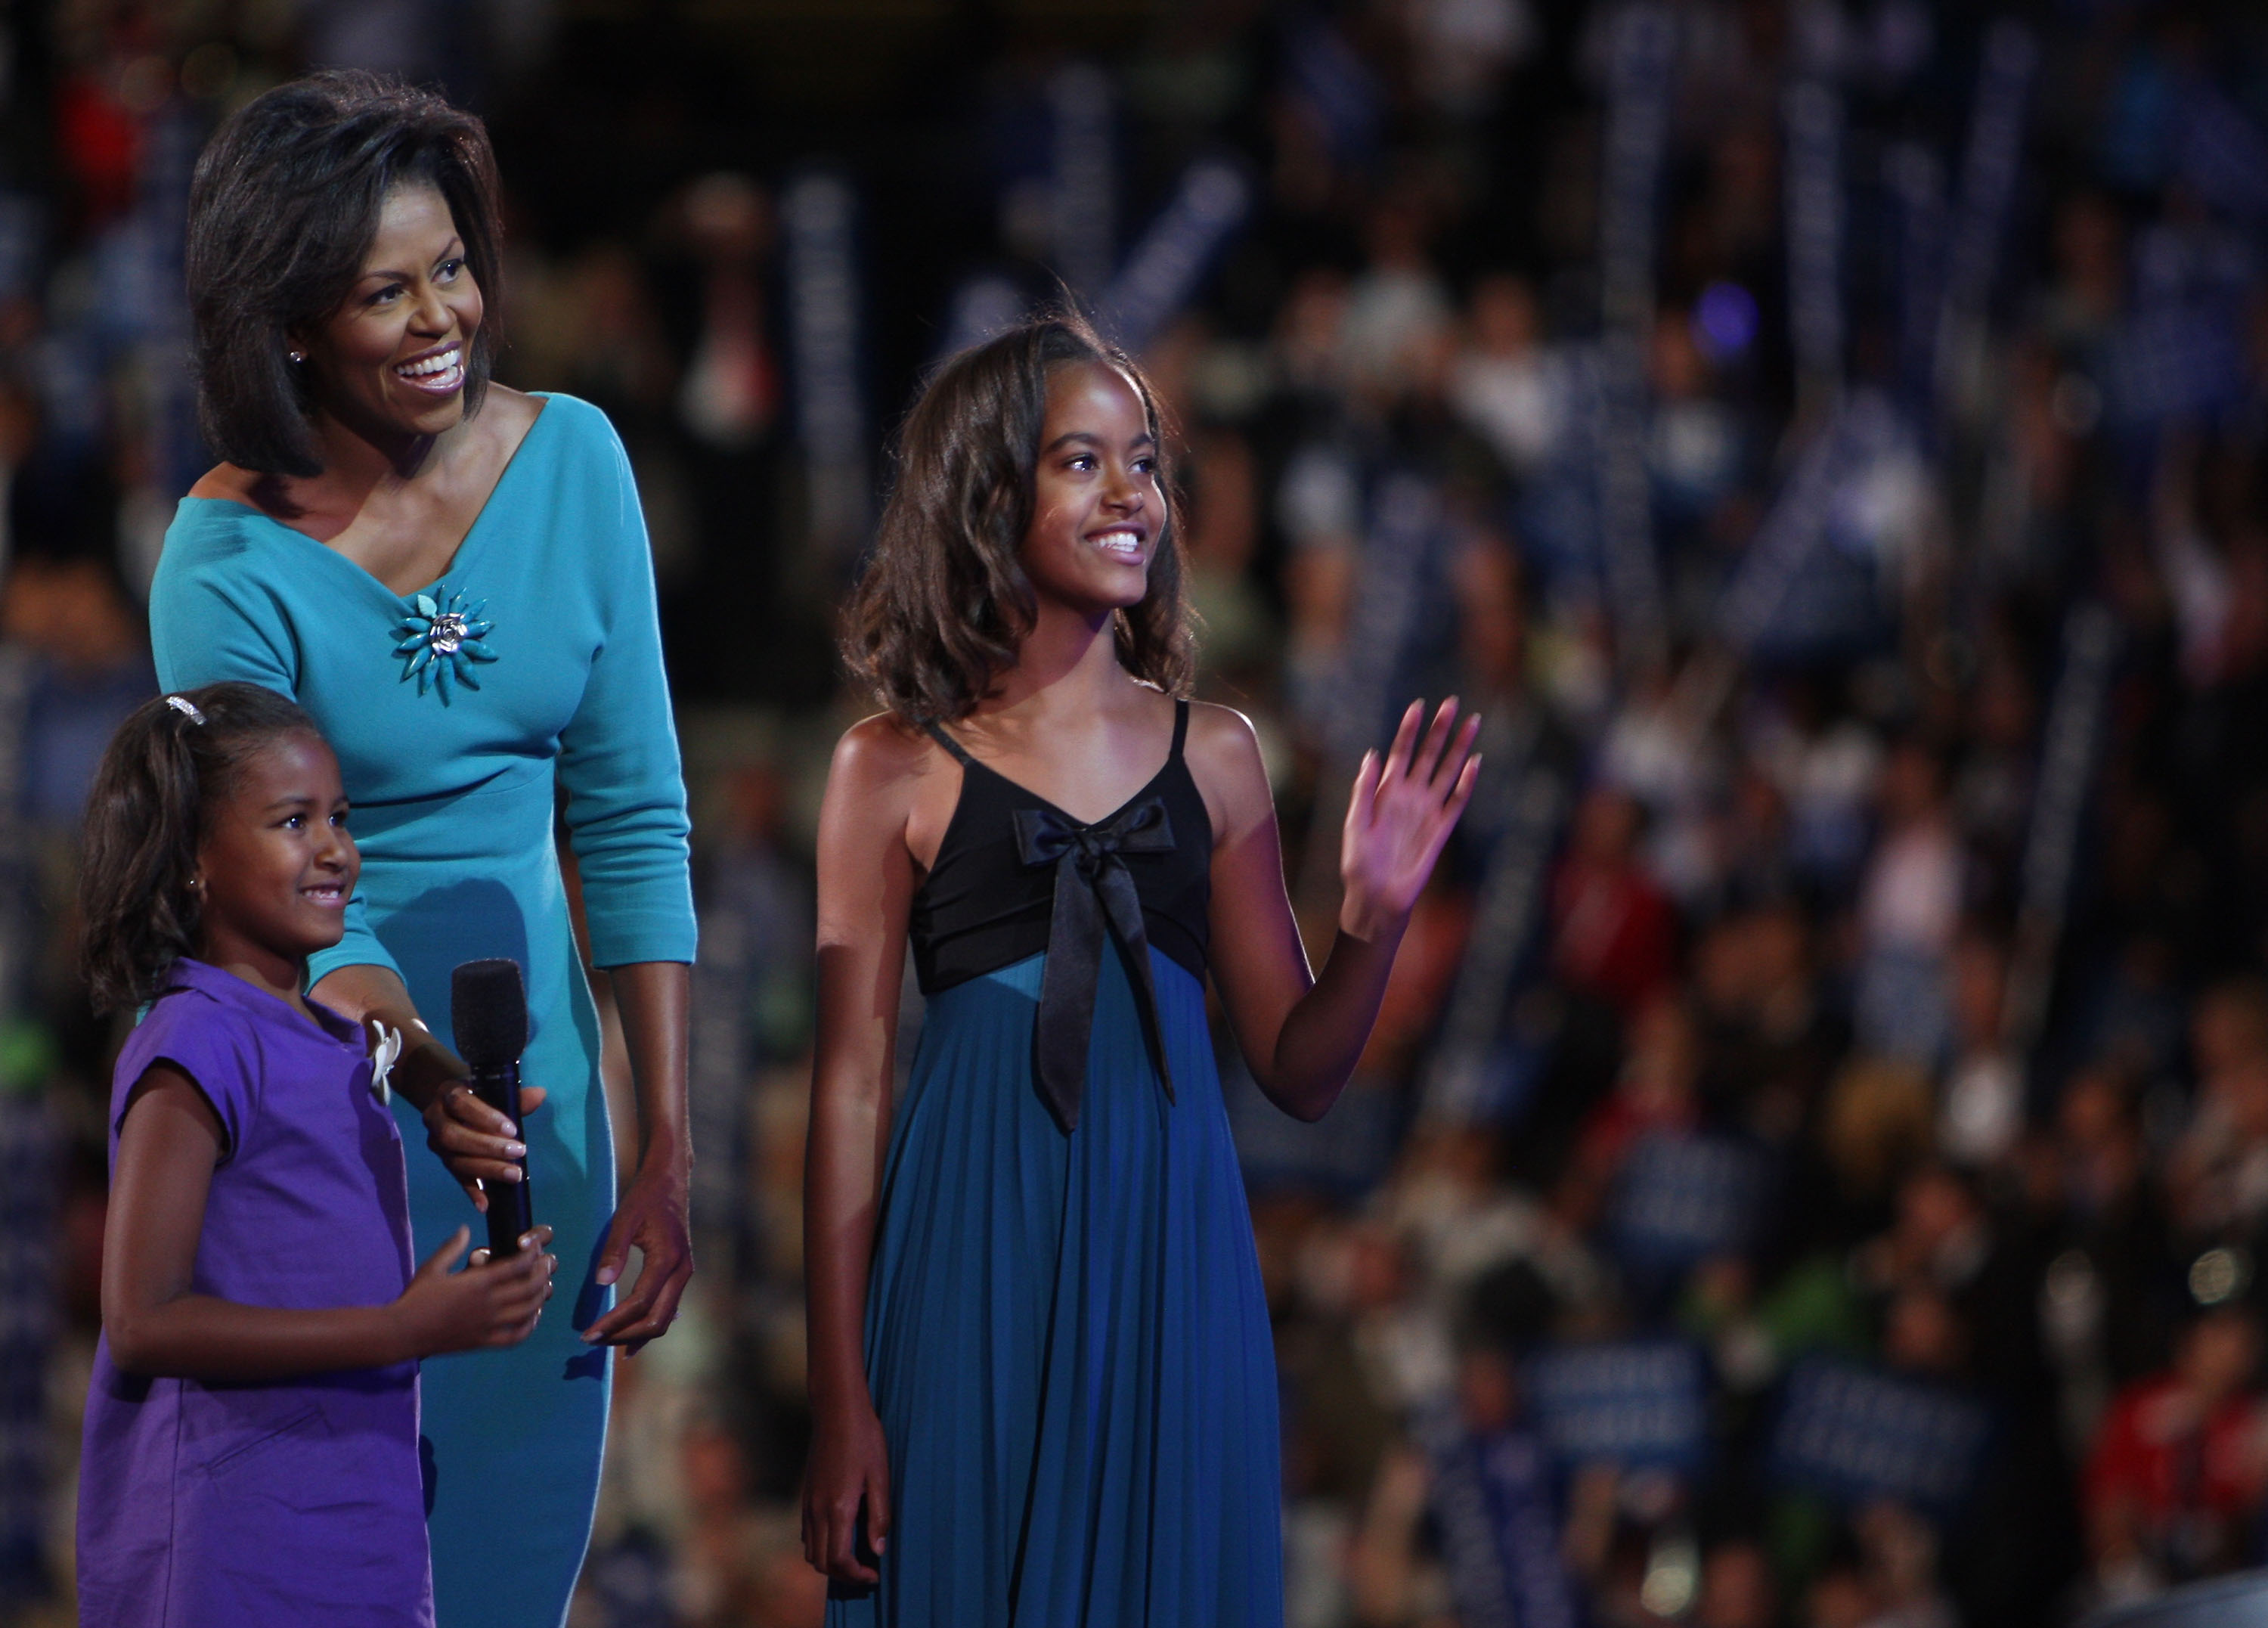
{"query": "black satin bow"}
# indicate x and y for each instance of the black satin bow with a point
(1093, 886)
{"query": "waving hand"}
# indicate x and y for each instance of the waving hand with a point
(1401, 814)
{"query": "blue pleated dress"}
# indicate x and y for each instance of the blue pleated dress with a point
(456, 789)
(1066, 1336)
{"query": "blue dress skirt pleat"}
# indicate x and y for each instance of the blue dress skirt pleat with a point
(1066, 1336)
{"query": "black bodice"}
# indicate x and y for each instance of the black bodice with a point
(982, 907)
(1013, 871)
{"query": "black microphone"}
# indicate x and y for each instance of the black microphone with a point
(488, 1012)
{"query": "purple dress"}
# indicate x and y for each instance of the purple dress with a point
(294, 1502)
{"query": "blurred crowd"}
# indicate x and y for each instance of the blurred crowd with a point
(1812, 1171)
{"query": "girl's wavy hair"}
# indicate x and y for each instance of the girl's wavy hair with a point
(147, 815)
(944, 603)
(284, 205)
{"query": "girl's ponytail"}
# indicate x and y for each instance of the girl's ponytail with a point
(145, 821)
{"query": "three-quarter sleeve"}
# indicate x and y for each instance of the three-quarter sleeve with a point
(619, 762)
(207, 627)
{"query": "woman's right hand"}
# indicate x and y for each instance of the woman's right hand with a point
(489, 1303)
(850, 1466)
(477, 1143)
(473, 1140)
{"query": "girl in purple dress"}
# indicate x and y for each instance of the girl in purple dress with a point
(251, 1450)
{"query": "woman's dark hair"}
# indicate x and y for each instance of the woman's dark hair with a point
(944, 603)
(283, 208)
(164, 772)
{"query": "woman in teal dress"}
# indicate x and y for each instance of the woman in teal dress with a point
(1043, 1384)
(453, 578)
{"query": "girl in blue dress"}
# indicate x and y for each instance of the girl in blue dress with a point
(453, 578)
(1041, 1376)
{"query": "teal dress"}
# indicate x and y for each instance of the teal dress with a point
(454, 759)
(1066, 1336)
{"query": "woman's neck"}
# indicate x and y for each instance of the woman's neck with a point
(356, 465)
(364, 459)
(1067, 662)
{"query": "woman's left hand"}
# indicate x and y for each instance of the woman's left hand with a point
(1400, 816)
(650, 1218)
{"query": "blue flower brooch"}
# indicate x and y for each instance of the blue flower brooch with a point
(439, 641)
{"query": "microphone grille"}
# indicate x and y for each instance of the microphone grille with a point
(488, 1012)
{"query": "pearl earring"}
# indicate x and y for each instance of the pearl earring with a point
(297, 356)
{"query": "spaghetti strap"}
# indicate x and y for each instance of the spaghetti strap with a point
(1181, 728)
(937, 733)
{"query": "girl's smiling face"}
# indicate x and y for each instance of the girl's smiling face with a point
(390, 362)
(1097, 508)
(276, 866)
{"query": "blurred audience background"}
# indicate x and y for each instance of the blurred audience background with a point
(1813, 1168)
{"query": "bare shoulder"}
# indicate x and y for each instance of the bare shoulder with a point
(885, 813)
(513, 410)
(506, 417)
(1222, 733)
(1224, 755)
(228, 483)
(881, 756)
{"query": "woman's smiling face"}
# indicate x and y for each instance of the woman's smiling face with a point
(389, 362)
(1097, 509)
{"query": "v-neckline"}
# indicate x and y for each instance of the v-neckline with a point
(959, 750)
(464, 543)
(1140, 793)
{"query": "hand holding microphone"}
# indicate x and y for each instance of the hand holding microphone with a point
(492, 1304)
(481, 1145)
(488, 1012)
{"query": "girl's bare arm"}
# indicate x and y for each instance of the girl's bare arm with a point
(158, 1324)
(1302, 1033)
(866, 880)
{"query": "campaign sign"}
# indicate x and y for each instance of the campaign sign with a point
(819, 212)
(1163, 270)
(1496, 1515)
(1858, 1435)
(1789, 593)
(1639, 1403)
(1682, 1199)
(2176, 360)
(28, 1302)
(1473, 1080)
(2222, 154)
(1400, 584)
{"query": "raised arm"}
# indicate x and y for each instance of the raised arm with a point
(865, 893)
(1301, 1034)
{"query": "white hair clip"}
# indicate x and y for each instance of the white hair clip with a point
(186, 708)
